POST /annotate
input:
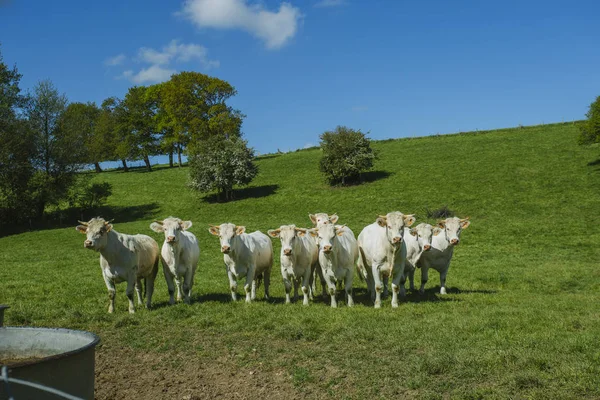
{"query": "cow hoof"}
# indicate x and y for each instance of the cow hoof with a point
(394, 305)
(377, 305)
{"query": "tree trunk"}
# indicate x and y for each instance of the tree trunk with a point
(171, 158)
(147, 161)
(97, 166)
(179, 154)
(125, 165)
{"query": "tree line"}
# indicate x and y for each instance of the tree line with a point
(45, 140)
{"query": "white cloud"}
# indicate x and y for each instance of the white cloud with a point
(152, 74)
(180, 52)
(274, 28)
(330, 3)
(114, 61)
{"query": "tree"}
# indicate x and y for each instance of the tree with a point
(589, 130)
(162, 122)
(220, 163)
(56, 159)
(346, 153)
(195, 109)
(78, 122)
(136, 120)
(111, 133)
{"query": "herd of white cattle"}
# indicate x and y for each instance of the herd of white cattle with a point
(387, 248)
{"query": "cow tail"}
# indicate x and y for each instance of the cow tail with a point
(361, 266)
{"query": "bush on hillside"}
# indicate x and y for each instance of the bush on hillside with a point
(589, 130)
(346, 153)
(89, 196)
(220, 163)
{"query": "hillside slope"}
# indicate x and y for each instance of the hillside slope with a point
(521, 317)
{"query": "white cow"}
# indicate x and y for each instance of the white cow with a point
(248, 255)
(319, 219)
(299, 257)
(338, 252)
(446, 235)
(123, 258)
(417, 240)
(383, 254)
(180, 254)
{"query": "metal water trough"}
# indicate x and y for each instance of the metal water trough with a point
(60, 359)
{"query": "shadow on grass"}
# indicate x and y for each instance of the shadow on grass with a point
(254, 192)
(372, 176)
(593, 163)
(267, 156)
(69, 217)
(361, 296)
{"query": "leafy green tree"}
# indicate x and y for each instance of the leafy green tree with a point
(346, 153)
(78, 122)
(195, 109)
(136, 120)
(57, 152)
(589, 130)
(219, 163)
(110, 133)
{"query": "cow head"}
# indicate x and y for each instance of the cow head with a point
(226, 233)
(287, 234)
(325, 235)
(96, 231)
(172, 228)
(423, 232)
(452, 227)
(394, 224)
(322, 218)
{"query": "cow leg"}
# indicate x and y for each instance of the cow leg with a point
(296, 284)
(149, 290)
(250, 286)
(267, 281)
(324, 283)
(306, 286)
(331, 288)
(402, 285)
(378, 285)
(424, 277)
(187, 286)
(129, 293)
(232, 285)
(170, 285)
(138, 290)
(178, 284)
(288, 287)
(348, 287)
(110, 285)
(411, 279)
(397, 288)
(443, 281)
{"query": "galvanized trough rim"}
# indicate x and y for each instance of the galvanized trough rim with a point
(95, 339)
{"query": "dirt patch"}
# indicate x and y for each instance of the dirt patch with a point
(127, 374)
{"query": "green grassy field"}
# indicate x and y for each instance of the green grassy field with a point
(521, 320)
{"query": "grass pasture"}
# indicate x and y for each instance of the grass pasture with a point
(521, 320)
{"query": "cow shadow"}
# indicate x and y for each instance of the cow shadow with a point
(213, 298)
(69, 217)
(254, 192)
(595, 163)
(372, 176)
(432, 294)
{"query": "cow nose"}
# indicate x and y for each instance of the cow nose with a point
(327, 248)
(170, 239)
(225, 249)
(397, 239)
(426, 247)
(87, 243)
(454, 241)
(287, 252)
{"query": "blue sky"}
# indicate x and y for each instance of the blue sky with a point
(394, 68)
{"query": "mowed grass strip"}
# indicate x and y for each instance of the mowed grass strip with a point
(521, 319)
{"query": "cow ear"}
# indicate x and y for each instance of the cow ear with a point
(409, 219)
(301, 232)
(313, 218)
(239, 230)
(381, 221)
(413, 232)
(273, 232)
(441, 224)
(81, 229)
(333, 218)
(464, 223)
(156, 227)
(109, 227)
(313, 232)
(436, 231)
(214, 230)
(185, 225)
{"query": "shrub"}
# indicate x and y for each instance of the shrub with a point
(346, 153)
(589, 130)
(220, 163)
(86, 196)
